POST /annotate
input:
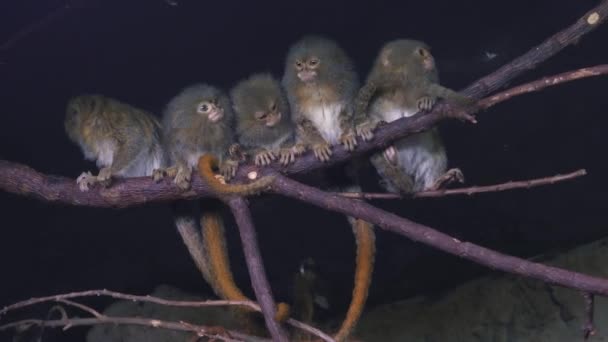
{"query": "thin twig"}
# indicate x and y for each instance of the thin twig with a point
(200, 330)
(128, 297)
(311, 330)
(155, 300)
(257, 274)
(588, 325)
(531, 183)
(82, 307)
(542, 83)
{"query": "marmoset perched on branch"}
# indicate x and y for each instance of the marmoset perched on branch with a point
(321, 84)
(263, 120)
(196, 122)
(198, 125)
(404, 81)
(124, 141)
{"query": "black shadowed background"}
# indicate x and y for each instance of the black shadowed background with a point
(145, 52)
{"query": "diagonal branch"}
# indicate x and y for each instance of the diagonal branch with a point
(260, 284)
(525, 184)
(544, 82)
(431, 237)
(480, 88)
(547, 49)
(23, 180)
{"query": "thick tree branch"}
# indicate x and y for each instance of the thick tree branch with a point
(431, 237)
(260, 284)
(23, 180)
(526, 184)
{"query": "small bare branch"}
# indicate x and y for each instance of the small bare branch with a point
(543, 83)
(124, 296)
(200, 330)
(526, 184)
(150, 299)
(589, 326)
(82, 307)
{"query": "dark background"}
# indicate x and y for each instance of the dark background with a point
(144, 52)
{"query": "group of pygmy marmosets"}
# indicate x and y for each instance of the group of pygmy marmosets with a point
(318, 104)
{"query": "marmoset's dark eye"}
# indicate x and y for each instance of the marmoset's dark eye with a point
(204, 107)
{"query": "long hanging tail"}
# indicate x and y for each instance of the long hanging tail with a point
(189, 232)
(214, 242)
(366, 250)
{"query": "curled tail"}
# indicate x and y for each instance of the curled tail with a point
(205, 167)
(366, 250)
